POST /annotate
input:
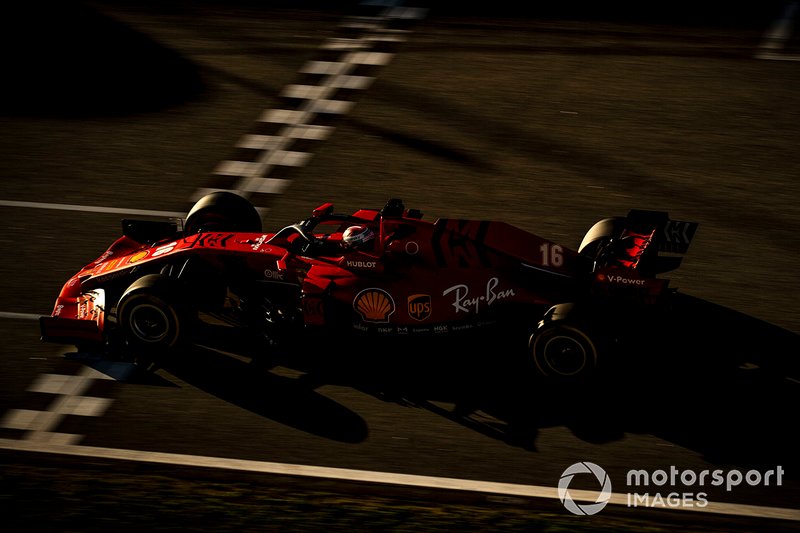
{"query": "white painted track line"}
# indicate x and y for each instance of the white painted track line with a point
(20, 316)
(93, 209)
(346, 474)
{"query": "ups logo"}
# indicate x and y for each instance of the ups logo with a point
(419, 306)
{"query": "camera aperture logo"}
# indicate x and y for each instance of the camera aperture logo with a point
(588, 508)
(673, 487)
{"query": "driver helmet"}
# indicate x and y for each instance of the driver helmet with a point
(357, 237)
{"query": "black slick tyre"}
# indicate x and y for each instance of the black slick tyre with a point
(154, 317)
(562, 351)
(222, 211)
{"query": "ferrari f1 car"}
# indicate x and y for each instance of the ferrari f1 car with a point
(161, 281)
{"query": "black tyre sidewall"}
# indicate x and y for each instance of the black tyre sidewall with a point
(163, 298)
(223, 211)
(140, 302)
(541, 340)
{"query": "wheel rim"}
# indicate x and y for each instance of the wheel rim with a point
(565, 355)
(149, 323)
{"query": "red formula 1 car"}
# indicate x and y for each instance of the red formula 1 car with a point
(373, 272)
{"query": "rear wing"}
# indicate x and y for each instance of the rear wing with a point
(673, 236)
(637, 240)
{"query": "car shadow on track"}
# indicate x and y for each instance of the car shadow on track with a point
(251, 386)
(711, 380)
(722, 383)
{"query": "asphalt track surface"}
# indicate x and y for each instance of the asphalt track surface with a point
(546, 120)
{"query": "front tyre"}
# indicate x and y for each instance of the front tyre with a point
(563, 351)
(222, 211)
(154, 316)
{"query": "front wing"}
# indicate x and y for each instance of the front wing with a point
(76, 319)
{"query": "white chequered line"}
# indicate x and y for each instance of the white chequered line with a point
(337, 107)
(369, 58)
(28, 419)
(251, 177)
(344, 81)
(283, 116)
(310, 92)
(259, 142)
(324, 68)
(69, 399)
(310, 131)
(344, 44)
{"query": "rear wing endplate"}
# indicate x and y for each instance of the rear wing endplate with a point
(672, 236)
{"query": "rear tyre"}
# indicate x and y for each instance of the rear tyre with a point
(222, 211)
(563, 351)
(154, 317)
(596, 240)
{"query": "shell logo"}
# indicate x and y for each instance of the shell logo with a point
(138, 257)
(374, 305)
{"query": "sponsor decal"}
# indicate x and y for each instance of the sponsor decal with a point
(256, 244)
(212, 240)
(403, 330)
(460, 243)
(360, 264)
(463, 303)
(58, 309)
(91, 305)
(677, 236)
(374, 305)
(113, 275)
(138, 256)
(106, 255)
(167, 248)
(419, 306)
(273, 274)
(621, 280)
(111, 265)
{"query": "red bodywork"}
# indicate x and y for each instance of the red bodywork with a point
(420, 277)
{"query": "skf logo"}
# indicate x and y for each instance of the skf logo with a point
(374, 305)
(419, 306)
